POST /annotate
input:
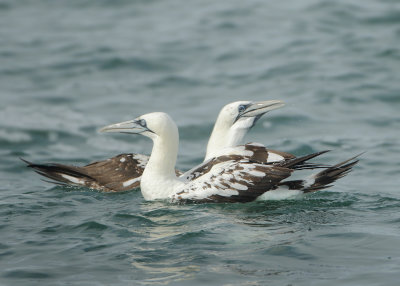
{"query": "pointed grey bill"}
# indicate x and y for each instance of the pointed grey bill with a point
(131, 126)
(259, 108)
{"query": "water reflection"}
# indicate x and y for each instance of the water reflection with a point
(181, 239)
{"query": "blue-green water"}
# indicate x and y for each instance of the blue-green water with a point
(70, 67)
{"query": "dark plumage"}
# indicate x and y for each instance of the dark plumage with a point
(107, 175)
(123, 172)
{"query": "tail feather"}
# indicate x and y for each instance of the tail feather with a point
(299, 163)
(62, 174)
(323, 179)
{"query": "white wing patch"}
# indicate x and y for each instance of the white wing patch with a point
(273, 157)
(73, 179)
(238, 150)
(239, 186)
(255, 144)
(130, 182)
(142, 159)
(256, 173)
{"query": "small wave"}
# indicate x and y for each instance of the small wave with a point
(288, 251)
(189, 237)
(96, 247)
(227, 25)
(91, 225)
(126, 219)
(392, 17)
(24, 274)
(14, 137)
(175, 81)
(389, 97)
(134, 64)
(5, 6)
(286, 70)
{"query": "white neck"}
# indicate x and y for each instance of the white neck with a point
(224, 136)
(159, 179)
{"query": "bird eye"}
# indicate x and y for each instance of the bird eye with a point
(241, 108)
(142, 122)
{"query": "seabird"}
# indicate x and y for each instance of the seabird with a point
(234, 121)
(226, 178)
(123, 172)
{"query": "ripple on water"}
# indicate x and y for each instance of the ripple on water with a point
(91, 228)
(133, 63)
(30, 274)
(136, 220)
(390, 17)
(288, 251)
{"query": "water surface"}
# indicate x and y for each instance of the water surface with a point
(70, 67)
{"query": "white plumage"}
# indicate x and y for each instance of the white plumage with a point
(229, 173)
(227, 178)
(123, 172)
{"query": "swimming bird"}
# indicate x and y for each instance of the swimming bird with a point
(123, 172)
(225, 178)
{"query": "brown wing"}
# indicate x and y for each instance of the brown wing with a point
(262, 154)
(119, 173)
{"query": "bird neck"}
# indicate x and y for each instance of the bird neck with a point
(223, 137)
(159, 179)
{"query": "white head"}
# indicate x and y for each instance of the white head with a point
(234, 121)
(160, 168)
(153, 125)
(160, 128)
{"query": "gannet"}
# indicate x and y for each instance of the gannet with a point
(225, 178)
(122, 172)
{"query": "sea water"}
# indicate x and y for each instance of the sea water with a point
(68, 68)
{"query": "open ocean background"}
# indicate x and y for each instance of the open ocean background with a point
(68, 68)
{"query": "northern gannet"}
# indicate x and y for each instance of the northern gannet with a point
(226, 178)
(122, 172)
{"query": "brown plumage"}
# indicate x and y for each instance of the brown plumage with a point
(106, 175)
(123, 172)
(110, 175)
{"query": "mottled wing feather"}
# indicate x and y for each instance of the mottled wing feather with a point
(253, 152)
(119, 173)
(263, 155)
(286, 156)
(231, 179)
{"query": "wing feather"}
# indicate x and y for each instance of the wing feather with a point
(231, 179)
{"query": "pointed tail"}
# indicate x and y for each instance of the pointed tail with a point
(61, 174)
(300, 163)
(323, 179)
